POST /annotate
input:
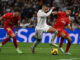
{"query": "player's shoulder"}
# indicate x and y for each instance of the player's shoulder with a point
(39, 11)
(9, 13)
(61, 12)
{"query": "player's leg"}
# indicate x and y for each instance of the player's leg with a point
(7, 38)
(35, 44)
(53, 30)
(5, 41)
(63, 35)
(10, 31)
(60, 45)
(61, 42)
(68, 44)
(38, 35)
(13, 35)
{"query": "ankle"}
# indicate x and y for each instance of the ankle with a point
(17, 48)
(60, 47)
(1, 44)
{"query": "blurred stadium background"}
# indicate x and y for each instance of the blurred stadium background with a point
(30, 8)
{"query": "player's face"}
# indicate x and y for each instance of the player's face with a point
(18, 14)
(45, 9)
(68, 12)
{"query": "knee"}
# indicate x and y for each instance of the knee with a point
(70, 41)
(13, 35)
(38, 40)
(63, 36)
(8, 37)
(54, 31)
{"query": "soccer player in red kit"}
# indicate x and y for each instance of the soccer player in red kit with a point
(11, 19)
(62, 21)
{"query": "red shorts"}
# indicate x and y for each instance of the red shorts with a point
(9, 29)
(62, 30)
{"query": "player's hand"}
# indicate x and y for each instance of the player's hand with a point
(54, 13)
(53, 8)
(15, 32)
(72, 29)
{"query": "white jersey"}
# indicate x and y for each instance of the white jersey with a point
(42, 17)
(41, 23)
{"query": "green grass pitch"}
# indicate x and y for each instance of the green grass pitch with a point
(8, 52)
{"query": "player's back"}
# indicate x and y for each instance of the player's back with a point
(61, 15)
(9, 19)
(61, 20)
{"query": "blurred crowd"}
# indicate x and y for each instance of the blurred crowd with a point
(30, 8)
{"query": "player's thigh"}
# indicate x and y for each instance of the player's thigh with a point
(51, 30)
(69, 39)
(66, 36)
(8, 36)
(62, 34)
(10, 31)
(38, 33)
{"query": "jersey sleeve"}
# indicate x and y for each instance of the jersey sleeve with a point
(59, 13)
(43, 14)
(7, 15)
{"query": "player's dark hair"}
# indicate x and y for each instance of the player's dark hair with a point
(44, 5)
(17, 10)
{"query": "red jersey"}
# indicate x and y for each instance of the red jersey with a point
(62, 20)
(10, 20)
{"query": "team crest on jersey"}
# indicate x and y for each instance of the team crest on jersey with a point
(63, 21)
(8, 29)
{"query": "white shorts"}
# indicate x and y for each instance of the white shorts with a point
(39, 30)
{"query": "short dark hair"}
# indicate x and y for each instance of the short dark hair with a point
(17, 10)
(44, 5)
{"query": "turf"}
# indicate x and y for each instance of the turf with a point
(8, 52)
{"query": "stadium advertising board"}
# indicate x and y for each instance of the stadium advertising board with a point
(25, 35)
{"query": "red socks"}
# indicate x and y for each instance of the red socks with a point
(61, 42)
(5, 41)
(15, 41)
(67, 47)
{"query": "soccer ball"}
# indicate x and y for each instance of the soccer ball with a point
(54, 51)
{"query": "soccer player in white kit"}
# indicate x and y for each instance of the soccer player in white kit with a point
(42, 26)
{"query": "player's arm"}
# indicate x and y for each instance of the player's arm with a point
(17, 26)
(7, 15)
(46, 14)
(1, 18)
(69, 27)
(55, 13)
